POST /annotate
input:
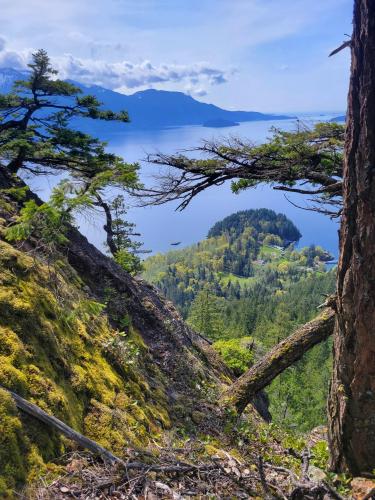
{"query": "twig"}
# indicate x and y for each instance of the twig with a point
(278, 468)
(337, 495)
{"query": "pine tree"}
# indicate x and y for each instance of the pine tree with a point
(36, 137)
(352, 395)
(204, 315)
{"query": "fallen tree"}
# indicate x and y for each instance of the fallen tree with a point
(280, 357)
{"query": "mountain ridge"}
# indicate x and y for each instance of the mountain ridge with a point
(149, 109)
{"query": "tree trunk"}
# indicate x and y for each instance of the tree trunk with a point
(352, 395)
(283, 355)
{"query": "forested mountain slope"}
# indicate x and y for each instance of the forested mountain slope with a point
(246, 287)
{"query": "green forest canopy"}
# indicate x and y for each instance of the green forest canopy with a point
(246, 287)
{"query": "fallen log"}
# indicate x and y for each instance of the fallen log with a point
(83, 441)
(280, 357)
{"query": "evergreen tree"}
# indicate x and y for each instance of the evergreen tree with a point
(204, 315)
(37, 137)
(352, 397)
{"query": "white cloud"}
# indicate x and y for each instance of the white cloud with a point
(124, 75)
(12, 58)
(127, 75)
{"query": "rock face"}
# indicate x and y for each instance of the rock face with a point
(315, 474)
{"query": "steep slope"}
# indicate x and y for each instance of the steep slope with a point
(94, 347)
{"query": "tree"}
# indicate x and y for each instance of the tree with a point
(205, 316)
(287, 162)
(119, 233)
(36, 137)
(352, 394)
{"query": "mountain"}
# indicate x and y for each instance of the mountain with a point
(245, 250)
(261, 220)
(150, 109)
(8, 76)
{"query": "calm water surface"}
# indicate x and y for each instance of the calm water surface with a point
(162, 225)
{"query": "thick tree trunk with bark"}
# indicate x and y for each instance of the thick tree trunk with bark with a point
(352, 394)
(283, 355)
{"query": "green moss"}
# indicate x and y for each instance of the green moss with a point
(54, 351)
(12, 446)
(11, 377)
(11, 346)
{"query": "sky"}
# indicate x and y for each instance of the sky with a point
(263, 55)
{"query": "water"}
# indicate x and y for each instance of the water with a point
(162, 225)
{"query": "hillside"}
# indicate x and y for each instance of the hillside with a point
(110, 357)
(149, 109)
(245, 287)
(241, 252)
(105, 355)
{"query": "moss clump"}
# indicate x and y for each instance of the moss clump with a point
(12, 378)
(13, 447)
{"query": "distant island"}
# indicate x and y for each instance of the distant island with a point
(341, 118)
(219, 122)
(150, 109)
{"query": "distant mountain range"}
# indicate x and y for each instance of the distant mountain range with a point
(151, 109)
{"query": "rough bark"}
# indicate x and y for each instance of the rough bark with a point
(83, 441)
(352, 395)
(283, 355)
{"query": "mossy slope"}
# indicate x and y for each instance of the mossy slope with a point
(100, 350)
(58, 350)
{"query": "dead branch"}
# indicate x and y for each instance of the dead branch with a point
(283, 167)
(266, 489)
(344, 45)
(51, 421)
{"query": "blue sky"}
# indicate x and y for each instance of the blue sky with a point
(265, 55)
